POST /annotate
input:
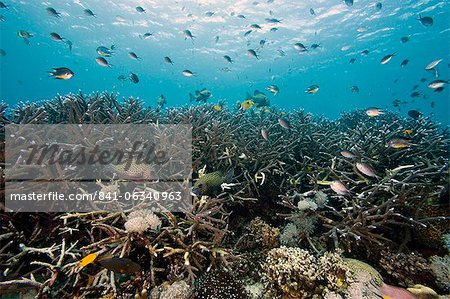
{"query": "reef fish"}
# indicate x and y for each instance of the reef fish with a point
(426, 21)
(120, 265)
(438, 83)
(348, 154)
(312, 89)
(414, 114)
(188, 73)
(247, 104)
(399, 143)
(284, 123)
(339, 188)
(61, 73)
(134, 78)
(366, 169)
(210, 183)
(387, 58)
(168, 60)
(102, 62)
(433, 64)
(52, 12)
(265, 134)
(273, 89)
(259, 98)
(104, 51)
(373, 112)
(89, 13)
(200, 95)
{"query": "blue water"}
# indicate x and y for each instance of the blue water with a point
(335, 26)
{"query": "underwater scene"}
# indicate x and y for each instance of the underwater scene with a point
(212, 149)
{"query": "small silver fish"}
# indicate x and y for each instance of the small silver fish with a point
(284, 123)
(348, 154)
(366, 169)
(433, 64)
(339, 188)
(265, 134)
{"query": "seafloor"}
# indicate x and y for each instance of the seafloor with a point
(356, 207)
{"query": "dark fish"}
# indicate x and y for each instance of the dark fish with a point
(284, 123)
(102, 61)
(122, 78)
(168, 60)
(438, 90)
(354, 88)
(273, 29)
(312, 89)
(146, 35)
(352, 61)
(414, 114)
(272, 20)
(104, 51)
(217, 39)
(365, 52)
(415, 87)
(312, 12)
(69, 44)
(426, 21)
(241, 16)
(133, 56)
(300, 47)
(61, 73)
(161, 101)
(255, 26)
(209, 13)
(404, 39)
(210, 183)
(349, 2)
(262, 42)
(56, 37)
(200, 95)
(188, 73)
(134, 78)
(140, 9)
(378, 6)
(247, 32)
(89, 13)
(52, 12)
(120, 265)
(404, 63)
(252, 53)
(415, 94)
(228, 58)
(423, 80)
(188, 34)
(386, 58)
(2, 53)
(432, 104)
(315, 46)
(3, 5)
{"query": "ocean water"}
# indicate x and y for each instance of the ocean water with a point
(342, 31)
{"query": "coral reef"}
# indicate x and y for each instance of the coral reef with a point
(287, 182)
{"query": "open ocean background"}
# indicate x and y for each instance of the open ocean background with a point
(335, 27)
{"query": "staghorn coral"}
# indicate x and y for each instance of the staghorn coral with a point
(141, 220)
(376, 214)
(219, 284)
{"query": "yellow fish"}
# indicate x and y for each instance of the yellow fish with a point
(407, 132)
(247, 104)
(266, 110)
(88, 259)
(217, 108)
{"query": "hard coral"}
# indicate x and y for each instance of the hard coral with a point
(141, 220)
(219, 284)
(441, 269)
(262, 235)
(296, 273)
(406, 269)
